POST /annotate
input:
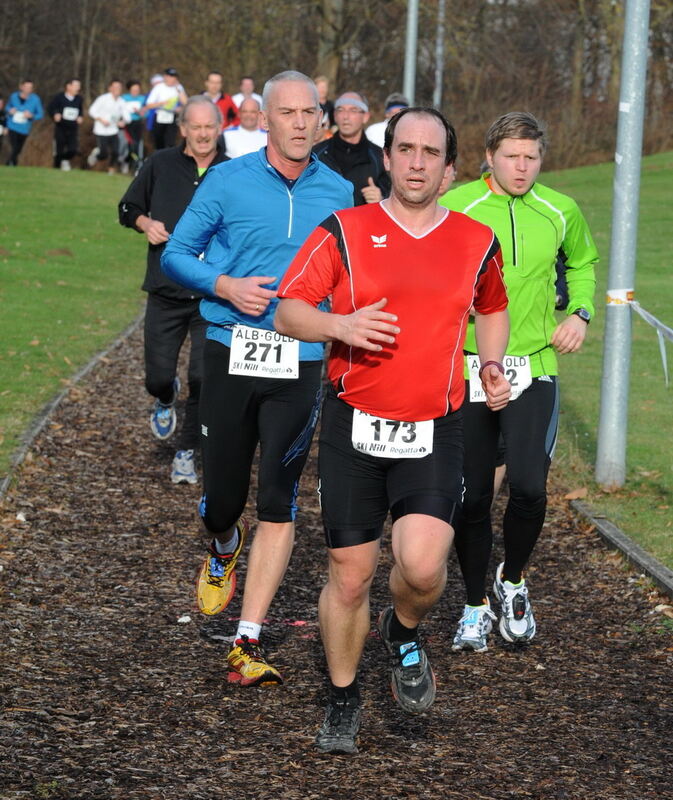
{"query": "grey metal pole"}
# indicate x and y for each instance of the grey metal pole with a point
(612, 428)
(439, 56)
(409, 88)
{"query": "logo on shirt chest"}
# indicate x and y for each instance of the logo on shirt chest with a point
(379, 241)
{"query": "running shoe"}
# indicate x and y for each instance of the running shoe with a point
(412, 679)
(163, 418)
(183, 470)
(338, 732)
(92, 158)
(216, 583)
(248, 666)
(473, 628)
(517, 623)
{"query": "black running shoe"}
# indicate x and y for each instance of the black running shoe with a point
(412, 680)
(338, 731)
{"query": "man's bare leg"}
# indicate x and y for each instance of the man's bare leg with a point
(343, 608)
(268, 558)
(421, 546)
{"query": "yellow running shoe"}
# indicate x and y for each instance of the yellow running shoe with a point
(216, 583)
(248, 666)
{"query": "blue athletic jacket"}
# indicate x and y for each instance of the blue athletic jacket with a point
(32, 103)
(247, 221)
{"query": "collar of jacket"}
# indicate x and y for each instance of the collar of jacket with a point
(308, 170)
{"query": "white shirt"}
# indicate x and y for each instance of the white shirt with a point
(239, 97)
(169, 97)
(112, 109)
(238, 141)
(375, 133)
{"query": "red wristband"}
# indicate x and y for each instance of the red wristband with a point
(495, 364)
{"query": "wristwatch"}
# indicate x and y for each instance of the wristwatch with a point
(582, 313)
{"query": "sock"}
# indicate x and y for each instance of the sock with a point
(342, 694)
(400, 633)
(227, 547)
(249, 629)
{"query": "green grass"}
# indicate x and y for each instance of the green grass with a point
(70, 277)
(643, 508)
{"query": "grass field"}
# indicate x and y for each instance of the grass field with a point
(70, 278)
(70, 283)
(644, 507)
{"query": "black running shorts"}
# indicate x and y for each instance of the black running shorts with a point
(358, 489)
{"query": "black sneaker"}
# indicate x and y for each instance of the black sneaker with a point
(338, 731)
(412, 680)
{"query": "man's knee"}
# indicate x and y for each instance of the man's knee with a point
(422, 574)
(476, 507)
(528, 501)
(351, 576)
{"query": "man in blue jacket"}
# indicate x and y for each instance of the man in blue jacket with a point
(23, 109)
(248, 219)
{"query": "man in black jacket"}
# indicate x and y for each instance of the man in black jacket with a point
(152, 205)
(351, 154)
(66, 111)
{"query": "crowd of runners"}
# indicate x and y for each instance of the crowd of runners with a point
(439, 306)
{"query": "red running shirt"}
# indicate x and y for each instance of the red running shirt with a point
(360, 255)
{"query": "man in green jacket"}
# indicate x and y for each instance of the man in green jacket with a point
(534, 224)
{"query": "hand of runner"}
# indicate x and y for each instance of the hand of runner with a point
(371, 192)
(569, 335)
(247, 294)
(496, 386)
(154, 230)
(369, 325)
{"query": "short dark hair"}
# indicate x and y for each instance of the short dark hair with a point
(426, 111)
(516, 125)
(130, 84)
(70, 80)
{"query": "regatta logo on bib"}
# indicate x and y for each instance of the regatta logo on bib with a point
(379, 241)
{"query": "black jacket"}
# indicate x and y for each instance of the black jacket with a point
(356, 163)
(60, 102)
(162, 190)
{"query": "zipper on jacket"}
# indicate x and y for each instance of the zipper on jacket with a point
(513, 225)
(289, 222)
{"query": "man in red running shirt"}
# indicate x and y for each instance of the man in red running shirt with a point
(403, 276)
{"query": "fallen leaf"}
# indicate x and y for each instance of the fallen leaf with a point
(576, 494)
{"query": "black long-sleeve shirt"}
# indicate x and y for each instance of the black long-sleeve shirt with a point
(162, 190)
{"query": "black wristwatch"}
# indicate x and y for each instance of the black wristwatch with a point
(582, 313)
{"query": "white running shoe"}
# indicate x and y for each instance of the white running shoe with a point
(65, 165)
(517, 623)
(92, 158)
(183, 470)
(473, 628)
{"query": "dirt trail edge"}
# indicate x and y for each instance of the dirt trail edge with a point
(113, 686)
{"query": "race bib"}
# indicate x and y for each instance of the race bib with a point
(517, 372)
(19, 117)
(389, 438)
(262, 353)
(165, 117)
(70, 113)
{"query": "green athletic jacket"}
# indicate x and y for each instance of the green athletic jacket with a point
(531, 230)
